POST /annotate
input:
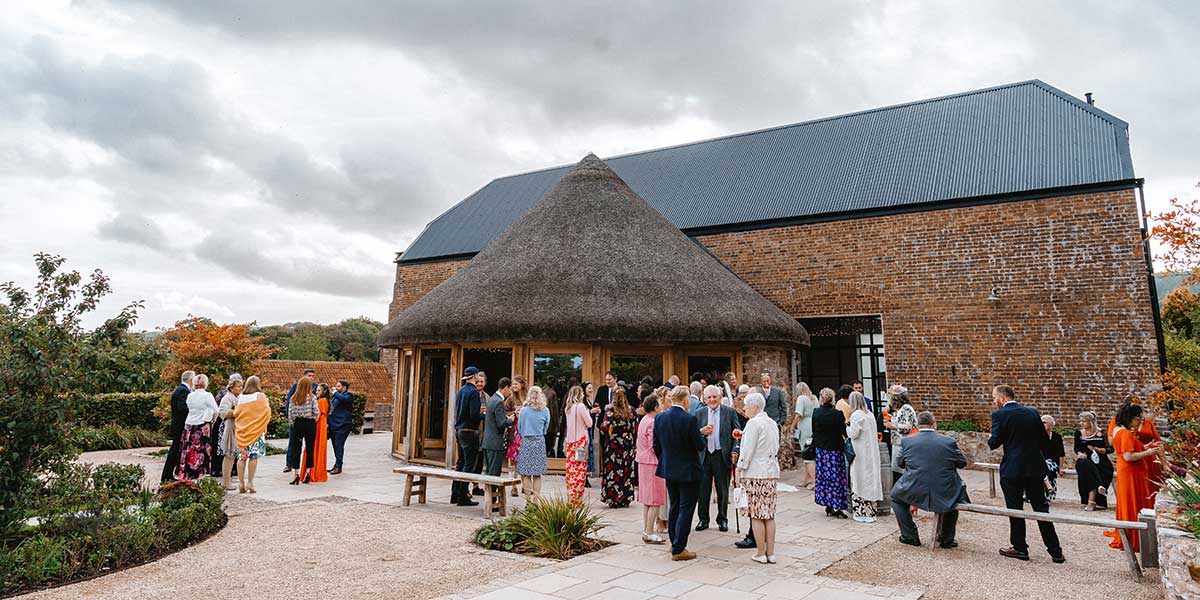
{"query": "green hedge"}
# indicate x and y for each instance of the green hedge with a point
(960, 425)
(360, 409)
(96, 519)
(135, 410)
(115, 437)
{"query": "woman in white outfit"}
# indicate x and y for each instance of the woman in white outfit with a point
(757, 474)
(866, 488)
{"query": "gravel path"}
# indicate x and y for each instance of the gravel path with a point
(975, 570)
(312, 549)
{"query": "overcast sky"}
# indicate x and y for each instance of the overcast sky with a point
(264, 161)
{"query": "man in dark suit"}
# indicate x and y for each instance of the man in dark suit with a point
(466, 434)
(1020, 431)
(930, 482)
(777, 403)
(179, 411)
(604, 395)
(495, 423)
(717, 423)
(677, 444)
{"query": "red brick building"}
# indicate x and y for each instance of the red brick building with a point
(948, 244)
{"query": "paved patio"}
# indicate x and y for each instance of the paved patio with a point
(807, 541)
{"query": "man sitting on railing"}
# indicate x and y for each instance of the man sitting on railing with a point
(930, 481)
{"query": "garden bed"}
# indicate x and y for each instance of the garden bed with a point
(92, 521)
(551, 528)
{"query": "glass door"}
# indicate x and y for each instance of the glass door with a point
(434, 398)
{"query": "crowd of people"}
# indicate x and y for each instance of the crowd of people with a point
(672, 448)
(226, 433)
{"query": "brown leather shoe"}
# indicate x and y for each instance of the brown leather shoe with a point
(685, 555)
(1011, 552)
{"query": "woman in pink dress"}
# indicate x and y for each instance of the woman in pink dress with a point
(652, 489)
(516, 401)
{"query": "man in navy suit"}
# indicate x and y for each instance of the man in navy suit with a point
(678, 443)
(1022, 471)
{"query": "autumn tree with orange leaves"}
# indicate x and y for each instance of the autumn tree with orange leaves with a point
(198, 344)
(1177, 231)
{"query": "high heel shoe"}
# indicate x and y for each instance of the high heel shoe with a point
(307, 479)
(295, 480)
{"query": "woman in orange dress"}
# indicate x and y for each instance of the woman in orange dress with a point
(318, 473)
(1147, 433)
(1133, 459)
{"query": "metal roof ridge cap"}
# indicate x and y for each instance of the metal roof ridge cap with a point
(1092, 108)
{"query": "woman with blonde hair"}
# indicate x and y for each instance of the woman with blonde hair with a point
(619, 453)
(866, 487)
(534, 421)
(1093, 466)
(252, 414)
(806, 403)
(515, 402)
(578, 420)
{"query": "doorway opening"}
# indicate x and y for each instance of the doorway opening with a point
(433, 397)
(713, 368)
(495, 362)
(845, 349)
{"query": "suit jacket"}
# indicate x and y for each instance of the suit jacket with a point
(931, 481)
(603, 398)
(728, 423)
(495, 422)
(777, 405)
(1020, 430)
(179, 409)
(677, 444)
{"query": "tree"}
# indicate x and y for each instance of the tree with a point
(354, 339)
(43, 349)
(122, 362)
(198, 344)
(308, 343)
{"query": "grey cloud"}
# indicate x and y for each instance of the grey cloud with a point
(245, 256)
(135, 230)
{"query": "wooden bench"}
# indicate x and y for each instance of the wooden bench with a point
(494, 497)
(993, 469)
(1145, 525)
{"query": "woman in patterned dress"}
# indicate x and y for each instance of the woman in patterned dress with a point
(514, 404)
(227, 442)
(252, 414)
(758, 472)
(578, 422)
(195, 455)
(829, 438)
(531, 461)
(620, 451)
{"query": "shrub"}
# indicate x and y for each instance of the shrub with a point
(551, 528)
(118, 478)
(960, 425)
(358, 411)
(115, 437)
(134, 410)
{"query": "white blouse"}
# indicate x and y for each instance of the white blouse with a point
(202, 408)
(760, 444)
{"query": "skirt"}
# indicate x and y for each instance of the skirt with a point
(576, 470)
(195, 451)
(227, 446)
(652, 489)
(862, 508)
(258, 449)
(830, 488)
(761, 494)
(531, 460)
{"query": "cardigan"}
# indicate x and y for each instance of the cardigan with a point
(533, 421)
(202, 408)
(760, 444)
(829, 428)
(579, 420)
(645, 442)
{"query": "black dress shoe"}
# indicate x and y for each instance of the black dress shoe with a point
(1014, 553)
(468, 502)
(287, 469)
(949, 545)
(906, 541)
(1058, 560)
(745, 543)
(702, 527)
(722, 527)
(335, 471)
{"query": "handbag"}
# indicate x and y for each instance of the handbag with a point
(848, 450)
(738, 498)
(581, 453)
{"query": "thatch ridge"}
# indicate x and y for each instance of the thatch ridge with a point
(592, 261)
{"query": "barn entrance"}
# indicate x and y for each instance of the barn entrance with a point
(845, 349)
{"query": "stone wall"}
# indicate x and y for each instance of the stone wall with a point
(974, 446)
(776, 361)
(1178, 552)
(383, 417)
(1073, 330)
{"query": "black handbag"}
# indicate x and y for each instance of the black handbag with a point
(848, 450)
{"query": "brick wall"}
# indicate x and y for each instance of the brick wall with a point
(1074, 328)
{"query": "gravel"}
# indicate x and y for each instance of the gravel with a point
(313, 549)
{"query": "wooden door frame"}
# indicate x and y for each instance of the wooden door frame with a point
(403, 390)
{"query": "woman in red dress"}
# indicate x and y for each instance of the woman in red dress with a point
(318, 473)
(1133, 459)
(1147, 433)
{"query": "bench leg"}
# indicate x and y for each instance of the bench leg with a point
(991, 484)
(503, 502)
(422, 483)
(1134, 567)
(937, 531)
(408, 485)
(488, 500)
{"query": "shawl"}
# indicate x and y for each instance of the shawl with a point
(252, 418)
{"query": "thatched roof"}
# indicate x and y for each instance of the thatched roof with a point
(592, 261)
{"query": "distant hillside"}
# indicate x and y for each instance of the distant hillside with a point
(1166, 282)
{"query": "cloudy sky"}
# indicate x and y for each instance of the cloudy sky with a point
(263, 161)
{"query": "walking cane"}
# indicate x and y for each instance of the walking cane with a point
(737, 516)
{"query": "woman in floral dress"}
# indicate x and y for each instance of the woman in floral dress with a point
(620, 451)
(514, 404)
(577, 440)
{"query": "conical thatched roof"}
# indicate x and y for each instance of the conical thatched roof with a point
(593, 262)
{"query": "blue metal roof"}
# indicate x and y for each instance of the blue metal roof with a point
(1011, 139)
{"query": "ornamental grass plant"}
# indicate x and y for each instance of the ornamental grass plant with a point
(552, 527)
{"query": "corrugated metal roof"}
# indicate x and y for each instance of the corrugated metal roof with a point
(1009, 139)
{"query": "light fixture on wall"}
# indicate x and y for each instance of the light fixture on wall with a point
(994, 296)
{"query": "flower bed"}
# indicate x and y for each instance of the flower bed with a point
(93, 520)
(1177, 513)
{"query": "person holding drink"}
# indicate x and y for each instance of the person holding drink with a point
(717, 422)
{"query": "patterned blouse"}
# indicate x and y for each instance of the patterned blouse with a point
(308, 410)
